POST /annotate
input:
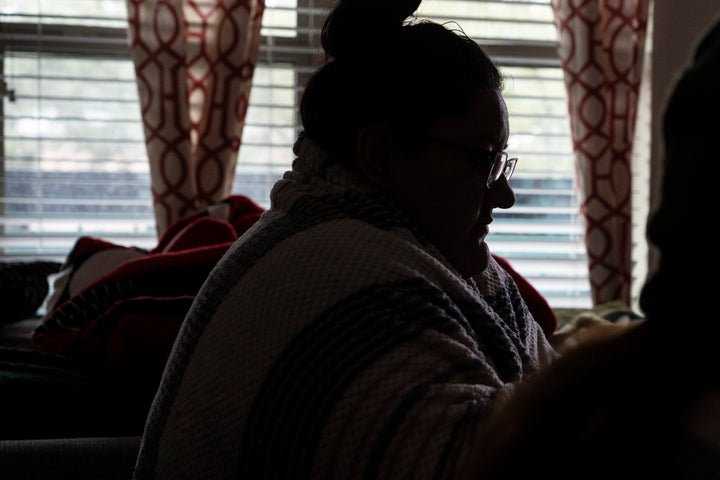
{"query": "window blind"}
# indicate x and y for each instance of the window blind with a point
(73, 161)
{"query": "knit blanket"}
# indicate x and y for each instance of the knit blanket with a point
(332, 341)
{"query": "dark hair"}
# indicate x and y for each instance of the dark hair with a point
(688, 197)
(618, 405)
(387, 69)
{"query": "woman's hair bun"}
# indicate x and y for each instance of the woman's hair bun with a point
(356, 25)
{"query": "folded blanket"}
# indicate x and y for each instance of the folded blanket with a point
(121, 307)
(331, 341)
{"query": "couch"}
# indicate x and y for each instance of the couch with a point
(61, 419)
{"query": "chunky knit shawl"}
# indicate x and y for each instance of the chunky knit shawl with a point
(333, 342)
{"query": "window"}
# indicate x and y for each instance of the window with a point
(73, 161)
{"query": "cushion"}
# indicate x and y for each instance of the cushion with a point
(23, 288)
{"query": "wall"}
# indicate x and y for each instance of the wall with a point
(677, 27)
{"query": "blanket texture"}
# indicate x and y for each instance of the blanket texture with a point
(332, 341)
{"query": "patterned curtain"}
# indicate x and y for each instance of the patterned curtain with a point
(601, 44)
(194, 62)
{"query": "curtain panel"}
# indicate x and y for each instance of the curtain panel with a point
(194, 63)
(601, 45)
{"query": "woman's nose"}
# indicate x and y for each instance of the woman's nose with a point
(501, 193)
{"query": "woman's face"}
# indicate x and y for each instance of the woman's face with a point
(443, 188)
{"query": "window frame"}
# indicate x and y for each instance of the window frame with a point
(112, 42)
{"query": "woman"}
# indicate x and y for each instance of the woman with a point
(361, 327)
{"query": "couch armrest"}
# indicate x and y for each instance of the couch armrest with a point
(105, 458)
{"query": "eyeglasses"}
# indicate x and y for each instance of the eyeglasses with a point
(500, 163)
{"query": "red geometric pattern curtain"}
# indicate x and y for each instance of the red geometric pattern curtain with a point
(601, 45)
(194, 62)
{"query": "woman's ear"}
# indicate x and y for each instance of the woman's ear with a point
(374, 152)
